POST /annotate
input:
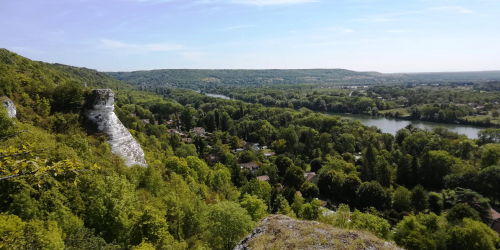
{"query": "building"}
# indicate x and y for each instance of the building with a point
(198, 131)
(239, 150)
(495, 224)
(311, 177)
(263, 178)
(145, 121)
(251, 166)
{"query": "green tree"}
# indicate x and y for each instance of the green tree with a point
(294, 177)
(411, 235)
(490, 155)
(460, 211)
(311, 211)
(309, 190)
(402, 200)
(255, 207)
(489, 180)
(372, 194)
(472, 234)
(404, 174)
(228, 223)
(419, 198)
(283, 163)
(435, 202)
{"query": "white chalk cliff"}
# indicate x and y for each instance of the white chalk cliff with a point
(9, 105)
(99, 109)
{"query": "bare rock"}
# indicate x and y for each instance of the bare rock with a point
(99, 107)
(9, 105)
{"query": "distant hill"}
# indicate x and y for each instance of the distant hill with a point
(453, 76)
(197, 78)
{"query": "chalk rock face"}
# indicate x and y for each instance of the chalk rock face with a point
(9, 105)
(99, 108)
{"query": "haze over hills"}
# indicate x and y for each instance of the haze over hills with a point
(187, 77)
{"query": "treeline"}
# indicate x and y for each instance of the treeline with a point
(197, 78)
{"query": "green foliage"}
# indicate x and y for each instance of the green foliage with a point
(294, 177)
(35, 234)
(228, 223)
(435, 202)
(255, 207)
(372, 194)
(419, 198)
(471, 234)
(460, 211)
(402, 200)
(309, 190)
(411, 235)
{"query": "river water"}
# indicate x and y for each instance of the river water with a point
(390, 125)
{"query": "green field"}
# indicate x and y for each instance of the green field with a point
(401, 111)
(481, 118)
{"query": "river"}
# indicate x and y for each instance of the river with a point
(390, 125)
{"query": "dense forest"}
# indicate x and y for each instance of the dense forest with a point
(199, 79)
(61, 188)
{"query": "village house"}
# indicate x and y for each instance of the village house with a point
(311, 177)
(251, 166)
(198, 131)
(263, 178)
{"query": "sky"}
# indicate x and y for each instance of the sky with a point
(362, 35)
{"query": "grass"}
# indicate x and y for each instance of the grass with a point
(283, 232)
(481, 118)
(402, 111)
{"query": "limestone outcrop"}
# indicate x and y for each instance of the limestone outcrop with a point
(9, 105)
(282, 232)
(99, 107)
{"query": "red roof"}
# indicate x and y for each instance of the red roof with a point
(494, 214)
(299, 193)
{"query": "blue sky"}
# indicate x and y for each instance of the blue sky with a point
(365, 35)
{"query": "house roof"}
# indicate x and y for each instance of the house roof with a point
(249, 165)
(263, 178)
(309, 176)
(494, 214)
(299, 193)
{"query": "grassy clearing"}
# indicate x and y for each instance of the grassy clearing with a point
(402, 111)
(285, 233)
(481, 118)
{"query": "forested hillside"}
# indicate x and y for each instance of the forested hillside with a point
(197, 78)
(216, 167)
(206, 79)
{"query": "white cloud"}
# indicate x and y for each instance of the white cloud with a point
(452, 9)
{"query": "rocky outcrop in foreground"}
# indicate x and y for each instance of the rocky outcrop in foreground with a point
(9, 105)
(99, 107)
(282, 232)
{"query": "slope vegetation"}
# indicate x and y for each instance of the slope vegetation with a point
(282, 232)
